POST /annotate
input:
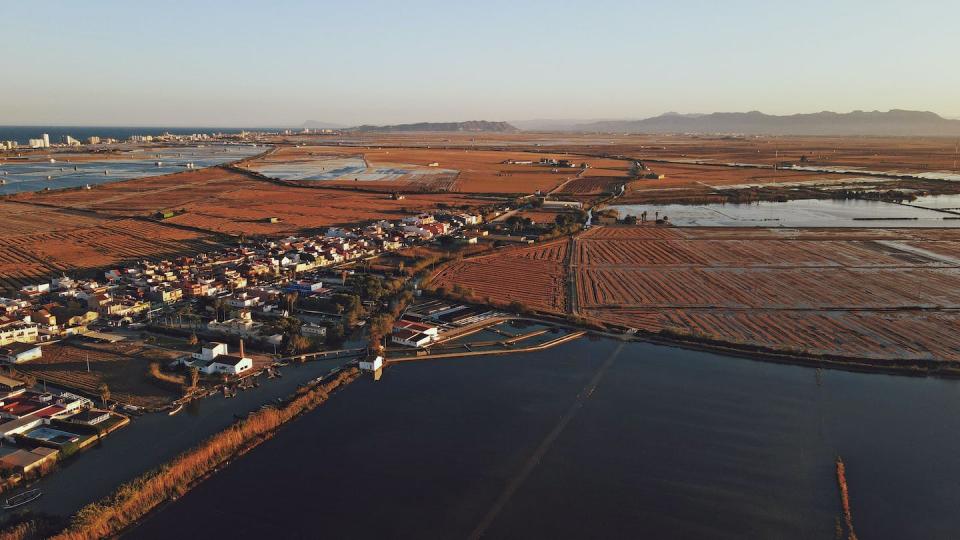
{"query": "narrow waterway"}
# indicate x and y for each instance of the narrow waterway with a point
(153, 439)
(596, 439)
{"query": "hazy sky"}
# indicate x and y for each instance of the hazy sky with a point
(269, 63)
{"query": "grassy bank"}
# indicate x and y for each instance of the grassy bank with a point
(135, 499)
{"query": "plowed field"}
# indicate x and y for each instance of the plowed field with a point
(889, 294)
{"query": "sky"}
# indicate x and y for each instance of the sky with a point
(279, 63)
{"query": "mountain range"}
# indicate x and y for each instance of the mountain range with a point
(896, 122)
(471, 125)
(891, 123)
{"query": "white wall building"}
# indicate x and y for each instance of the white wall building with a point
(214, 358)
(371, 363)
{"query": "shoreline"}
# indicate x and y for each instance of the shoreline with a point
(134, 500)
(319, 390)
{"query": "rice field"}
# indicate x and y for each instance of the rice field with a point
(889, 294)
(31, 258)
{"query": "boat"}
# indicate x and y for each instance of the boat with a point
(22, 498)
(175, 411)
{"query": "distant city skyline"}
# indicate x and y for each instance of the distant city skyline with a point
(244, 64)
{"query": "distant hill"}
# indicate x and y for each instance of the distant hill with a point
(557, 124)
(894, 123)
(472, 125)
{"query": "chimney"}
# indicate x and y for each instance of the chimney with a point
(241, 349)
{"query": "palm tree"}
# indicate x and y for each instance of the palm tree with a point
(104, 393)
(291, 300)
(218, 306)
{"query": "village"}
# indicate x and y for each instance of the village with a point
(82, 356)
(178, 321)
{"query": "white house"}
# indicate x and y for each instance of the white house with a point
(214, 358)
(371, 363)
(410, 338)
(17, 331)
(211, 351)
(228, 363)
(423, 328)
(18, 353)
(562, 204)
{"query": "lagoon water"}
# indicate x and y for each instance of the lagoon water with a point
(17, 176)
(340, 168)
(595, 439)
(797, 213)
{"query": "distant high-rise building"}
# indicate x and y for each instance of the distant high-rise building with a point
(93, 140)
(71, 141)
(46, 140)
(36, 143)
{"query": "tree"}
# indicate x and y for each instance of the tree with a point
(515, 223)
(519, 307)
(298, 344)
(218, 306)
(367, 286)
(104, 393)
(193, 340)
(290, 299)
(335, 335)
(193, 376)
(380, 327)
(630, 220)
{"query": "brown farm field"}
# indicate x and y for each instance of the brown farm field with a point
(696, 167)
(246, 211)
(476, 171)
(917, 154)
(887, 295)
(146, 196)
(30, 258)
(223, 201)
(123, 366)
(66, 231)
(534, 276)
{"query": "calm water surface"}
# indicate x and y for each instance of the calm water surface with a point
(155, 438)
(595, 439)
(797, 213)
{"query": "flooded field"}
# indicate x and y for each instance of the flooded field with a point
(798, 213)
(595, 439)
(17, 177)
(346, 168)
(940, 202)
